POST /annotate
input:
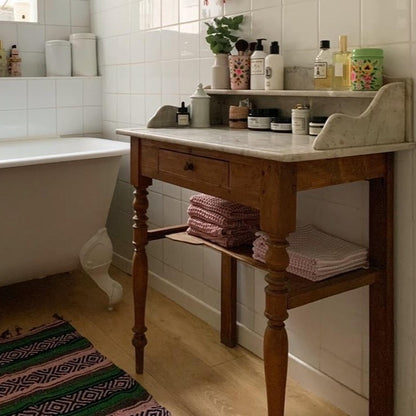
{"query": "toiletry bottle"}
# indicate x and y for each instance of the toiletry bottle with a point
(15, 63)
(200, 108)
(3, 61)
(323, 68)
(257, 67)
(182, 116)
(342, 66)
(274, 69)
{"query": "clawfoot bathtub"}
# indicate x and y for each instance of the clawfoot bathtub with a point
(55, 194)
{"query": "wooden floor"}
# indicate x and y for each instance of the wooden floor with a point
(187, 369)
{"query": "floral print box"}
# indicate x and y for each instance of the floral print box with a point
(366, 69)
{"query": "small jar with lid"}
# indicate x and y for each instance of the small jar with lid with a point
(366, 69)
(300, 119)
(281, 125)
(316, 125)
(261, 118)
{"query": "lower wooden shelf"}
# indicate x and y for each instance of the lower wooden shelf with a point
(300, 291)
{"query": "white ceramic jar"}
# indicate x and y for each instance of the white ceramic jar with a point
(58, 58)
(200, 108)
(84, 54)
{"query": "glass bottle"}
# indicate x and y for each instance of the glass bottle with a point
(342, 66)
(323, 67)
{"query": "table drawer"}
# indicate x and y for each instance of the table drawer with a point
(194, 168)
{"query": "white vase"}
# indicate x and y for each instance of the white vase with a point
(220, 72)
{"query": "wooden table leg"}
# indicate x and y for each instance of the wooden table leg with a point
(140, 271)
(381, 401)
(277, 219)
(228, 300)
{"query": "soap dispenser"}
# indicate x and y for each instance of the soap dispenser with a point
(274, 69)
(200, 108)
(257, 68)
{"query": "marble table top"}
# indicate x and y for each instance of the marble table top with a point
(283, 147)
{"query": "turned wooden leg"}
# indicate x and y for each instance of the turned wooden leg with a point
(228, 300)
(275, 337)
(381, 400)
(140, 271)
(277, 219)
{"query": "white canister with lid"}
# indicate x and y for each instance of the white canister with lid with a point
(58, 58)
(200, 108)
(84, 54)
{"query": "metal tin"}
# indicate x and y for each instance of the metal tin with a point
(300, 119)
(366, 69)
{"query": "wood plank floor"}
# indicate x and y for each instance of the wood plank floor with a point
(187, 369)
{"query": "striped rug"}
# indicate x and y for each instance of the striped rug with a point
(53, 370)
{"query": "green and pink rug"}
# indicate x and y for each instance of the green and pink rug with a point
(53, 370)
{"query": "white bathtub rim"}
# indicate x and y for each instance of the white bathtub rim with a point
(43, 150)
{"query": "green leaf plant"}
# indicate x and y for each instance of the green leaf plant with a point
(220, 33)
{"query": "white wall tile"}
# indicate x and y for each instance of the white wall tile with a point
(70, 120)
(42, 122)
(93, 119)
(267, 23)
(338, 17)
(236, 6)
(170, 12)
(385, 21)
(30, 37)
(189, 40)
(123, 108)
(13, 94)
(170, 43)
(152, 76)
(123, 79)
(13, 124)
(80, 13)
(299, 26)
(69, 92)
(137, 109)
(57, 12)
(152, 46)
(212, 268)
(41, 93)
(171, 211)
(189, 80)
(170, 77)
(188, 10)
(137, 47)
(92, 91)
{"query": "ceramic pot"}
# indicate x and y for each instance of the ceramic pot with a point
(220, 72)
(239, 72)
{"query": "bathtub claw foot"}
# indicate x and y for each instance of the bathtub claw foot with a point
(95, 257)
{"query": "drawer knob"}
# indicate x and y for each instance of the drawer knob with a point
(188, 166)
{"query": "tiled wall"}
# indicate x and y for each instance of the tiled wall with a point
(57, 19)
(153, 52)
(50, 106)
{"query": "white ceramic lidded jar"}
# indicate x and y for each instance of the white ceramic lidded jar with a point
(84, 54)
(200, 108)
(58, 58)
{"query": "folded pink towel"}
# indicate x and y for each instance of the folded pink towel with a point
(202, 214)
(227, 241)
(316, 255)
(216, 231)
(228, 209)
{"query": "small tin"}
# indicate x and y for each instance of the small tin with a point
(366, 69)
(300, 119)
(316, 125)
(281, 125)
(260, 118)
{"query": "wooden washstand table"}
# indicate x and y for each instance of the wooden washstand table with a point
(265, 170)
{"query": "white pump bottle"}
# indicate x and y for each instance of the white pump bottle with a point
(274, 69)
(257, 68)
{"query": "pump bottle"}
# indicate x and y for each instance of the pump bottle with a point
(257, 67)
(274, 69)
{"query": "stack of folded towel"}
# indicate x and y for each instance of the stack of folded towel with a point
(316, 255)
(225, 223)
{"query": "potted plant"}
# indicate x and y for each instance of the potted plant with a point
(221, 39)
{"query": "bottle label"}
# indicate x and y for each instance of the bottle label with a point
(268, 72)
(320, 70)
(257, 66)
(338, 69)
(183, 120)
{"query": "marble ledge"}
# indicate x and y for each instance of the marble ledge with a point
(281, 147)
